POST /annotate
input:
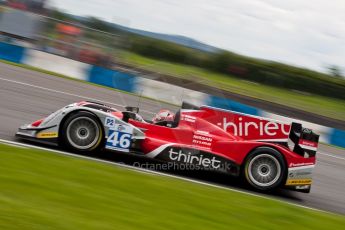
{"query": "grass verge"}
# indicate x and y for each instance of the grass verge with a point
(325, 106)
(41, 190)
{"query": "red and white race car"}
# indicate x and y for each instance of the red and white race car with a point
(267, 153)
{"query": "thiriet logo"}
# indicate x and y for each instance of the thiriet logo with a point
(201, 160)
(242, 128)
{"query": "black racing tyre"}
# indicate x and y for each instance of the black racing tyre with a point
(82, 132)
(264, 169)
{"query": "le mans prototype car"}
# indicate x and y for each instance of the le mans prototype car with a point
(266, 153)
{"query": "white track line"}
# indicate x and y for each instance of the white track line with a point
(330, 155)
(65, 93)
(13, 145)
(141, 170)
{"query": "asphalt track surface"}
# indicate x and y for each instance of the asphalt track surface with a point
(27, 96)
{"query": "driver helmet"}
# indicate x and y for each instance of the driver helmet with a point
(163, 115)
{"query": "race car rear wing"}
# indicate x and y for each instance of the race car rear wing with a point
(303, 141)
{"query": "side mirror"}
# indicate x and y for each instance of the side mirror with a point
(132, 109)
(128, 115)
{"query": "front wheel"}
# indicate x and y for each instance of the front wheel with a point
(265, 169)
(82, 132)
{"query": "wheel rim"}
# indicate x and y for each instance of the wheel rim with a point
(264, 170)
(83, 133)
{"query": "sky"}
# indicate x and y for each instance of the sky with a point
(307, 33)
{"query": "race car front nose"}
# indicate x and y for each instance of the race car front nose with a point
(27, 131)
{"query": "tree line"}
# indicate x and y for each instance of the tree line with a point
(245, 68)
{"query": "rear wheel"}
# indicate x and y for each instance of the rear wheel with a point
(82, 132)
(265, 169)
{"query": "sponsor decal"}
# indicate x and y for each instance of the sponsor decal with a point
(200, 159)
(109, 122)
(307, 143)
(243, 127)
(201, 132)
(193, 159)
(202, 139)
(189, 118)
(119, 137)
(300, 164)
(246, 126)
(299, 182)
(47, 135)
(302, 187)
(300, 174)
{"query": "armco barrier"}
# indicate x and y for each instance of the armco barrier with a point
(146, 87)
(11, 52)
(232, 105)
(112, 78)
(167, 92)
(56, 64)
(337, 137)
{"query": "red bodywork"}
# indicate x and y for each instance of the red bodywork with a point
(223, 133)
(211, 138)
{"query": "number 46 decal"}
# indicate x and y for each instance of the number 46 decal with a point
(120, 138)
(123, 140)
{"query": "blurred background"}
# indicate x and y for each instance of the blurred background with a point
(47, 26)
